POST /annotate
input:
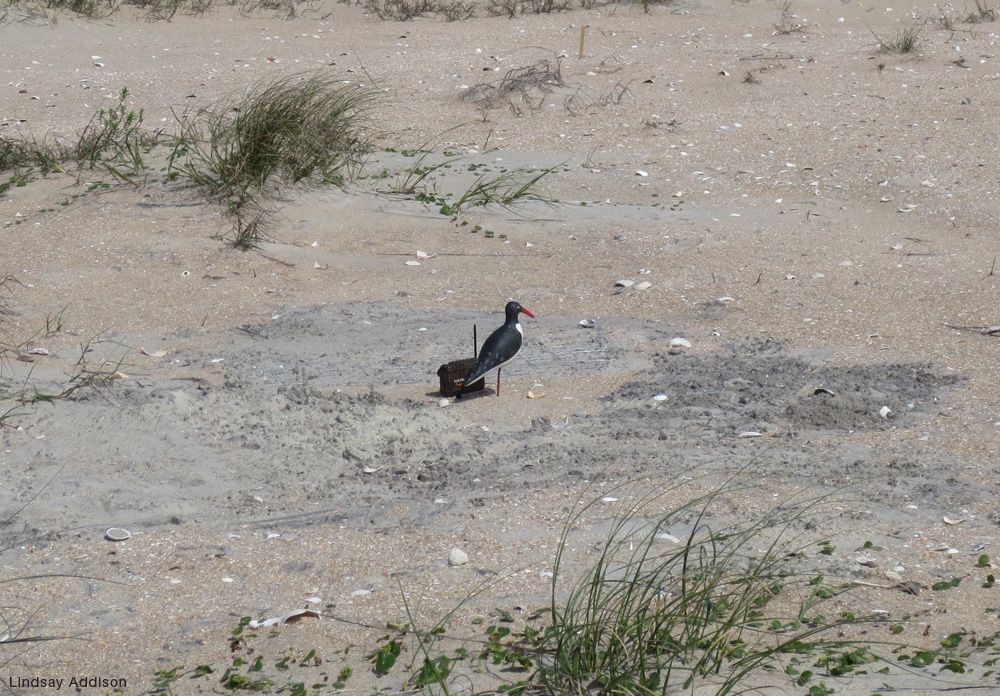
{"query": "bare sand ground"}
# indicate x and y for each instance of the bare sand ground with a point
(820, 225)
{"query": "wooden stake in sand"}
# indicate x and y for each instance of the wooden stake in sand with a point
(583, 32)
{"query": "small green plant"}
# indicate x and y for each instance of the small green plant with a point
(415, 177)
(116, 141)
(385, 656)
(504, 190)
(905, 40)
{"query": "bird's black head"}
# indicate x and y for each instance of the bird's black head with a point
(514, 308)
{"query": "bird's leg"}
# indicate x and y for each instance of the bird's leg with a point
(498, 381)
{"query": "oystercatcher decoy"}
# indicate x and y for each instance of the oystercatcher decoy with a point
(501, 347)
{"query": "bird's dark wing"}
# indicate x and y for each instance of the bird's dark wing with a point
(500, 347)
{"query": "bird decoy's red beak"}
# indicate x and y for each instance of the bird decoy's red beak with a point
(528, 312)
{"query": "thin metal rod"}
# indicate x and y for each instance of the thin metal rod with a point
(498, 381)
(475, 344)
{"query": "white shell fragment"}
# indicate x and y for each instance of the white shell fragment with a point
(411, 262)
(624, 283)
(749, 434)
(866, 560)
(884, 411)
(680, 342)
(640, 172)
(152, 354)
(117, 534)
(457, 557)
(609, 499)
(423, 255)
(535, 394)
(667, 536)
(953, 520)
(37, 351)
(587, 323)
(660, 397)
(644, 285)
(286, 618)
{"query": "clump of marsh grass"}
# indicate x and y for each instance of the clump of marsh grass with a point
(503, 8)
(299, 130)
(904, 40)
(21, 158)
(17, 154)
(400, 10)
(650, 616)
(115, 140)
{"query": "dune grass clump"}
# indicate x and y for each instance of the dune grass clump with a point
(905, 40)
(299, 130)
(21, 158)
(114, 140)
(654, 613)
